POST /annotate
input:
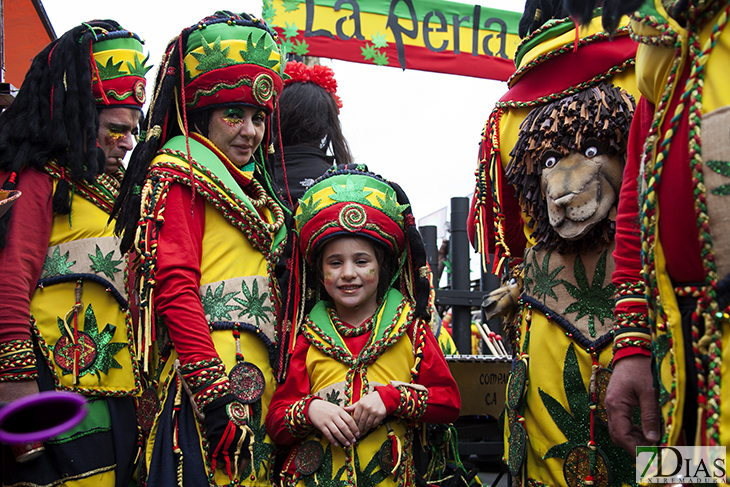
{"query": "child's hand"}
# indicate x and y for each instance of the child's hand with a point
(335, 424)
(368, 412)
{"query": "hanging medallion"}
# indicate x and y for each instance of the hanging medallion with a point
(577, 467)
(64, 353)
(517, 384)
(247, 382)
(517, 447)
(148, 405)
(309, 457)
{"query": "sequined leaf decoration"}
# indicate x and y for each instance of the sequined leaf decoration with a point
(104, 264)
(379, 40)
(661, 345)
(541, 278)
(262, 450)
(301, 48)
(286, 45)
(268, 12)
(258, 53)
(139, 69)
(370, 477)
(368, 52)
(290, 30)
(110, 70)
(722, 168)
(291, 5)
(307, 209)
(334, 397)
(215, 304)
(353, 191)
(592, 299)
(253, 305)
(57, 264)
(575, 423)
(324, 477)
(212, 57)
(391, 207)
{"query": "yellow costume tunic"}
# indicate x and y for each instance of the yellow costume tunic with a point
(236, 293)
(565, 322)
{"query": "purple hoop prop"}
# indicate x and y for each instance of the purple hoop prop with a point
(41, 416)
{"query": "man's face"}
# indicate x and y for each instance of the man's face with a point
(117, 128)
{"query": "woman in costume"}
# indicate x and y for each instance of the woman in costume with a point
(64, 314)
(197, 206)
(310, 128)
(561, 125)
(365, 367)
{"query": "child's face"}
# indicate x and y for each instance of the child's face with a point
(350, 272)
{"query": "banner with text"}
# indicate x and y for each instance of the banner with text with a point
(428, 35)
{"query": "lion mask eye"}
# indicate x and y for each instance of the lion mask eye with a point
(550, 159)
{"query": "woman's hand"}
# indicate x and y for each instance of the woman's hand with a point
(368, 412)
(334, 422)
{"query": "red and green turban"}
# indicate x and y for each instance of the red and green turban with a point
(119, 69)
(349, 202)
(227, 63)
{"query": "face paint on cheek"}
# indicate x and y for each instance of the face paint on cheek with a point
(328, 277)
(370, 275)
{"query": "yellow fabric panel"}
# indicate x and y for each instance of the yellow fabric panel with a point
(117, 55)
(87, 221)
(547, 349)
(227, 252)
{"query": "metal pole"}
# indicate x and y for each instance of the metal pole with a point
(429, 234)
(460, 273)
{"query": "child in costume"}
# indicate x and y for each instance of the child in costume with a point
(552, 156)
(673, 240)
(64, 311)
(197, 205)
(365, 367)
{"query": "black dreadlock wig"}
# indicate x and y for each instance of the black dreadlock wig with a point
(161, 125)
(603, 112)
(54, 116)
(537, 12)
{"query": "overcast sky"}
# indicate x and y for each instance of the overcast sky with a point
(417, 128)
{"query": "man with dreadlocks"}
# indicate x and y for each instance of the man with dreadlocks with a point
(548, 180)
(672, 241)
(64, 320)
(197, 205)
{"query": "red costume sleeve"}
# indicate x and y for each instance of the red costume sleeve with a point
(295, 388)
(21, 260)
(444, 401)
(627, 254)
(177, 295)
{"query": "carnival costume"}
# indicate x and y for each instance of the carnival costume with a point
(393, 353)
(672, 266)
(64, 314)
(560, 110)
(207, 235)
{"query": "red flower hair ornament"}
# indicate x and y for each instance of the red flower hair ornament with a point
(318, 74)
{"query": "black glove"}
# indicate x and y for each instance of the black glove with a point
(227, 433)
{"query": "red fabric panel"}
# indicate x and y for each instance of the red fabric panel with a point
(21, 260)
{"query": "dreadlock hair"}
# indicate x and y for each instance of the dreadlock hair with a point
(604, 113)
(308, 115)
(160, 125)
(612, 10)
(537, 12)
(54, 116)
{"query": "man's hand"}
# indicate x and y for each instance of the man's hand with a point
(334, 422)
(368, 412)
(10, 391)
(631, 386)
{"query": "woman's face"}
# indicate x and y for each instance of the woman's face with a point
(237, 131)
